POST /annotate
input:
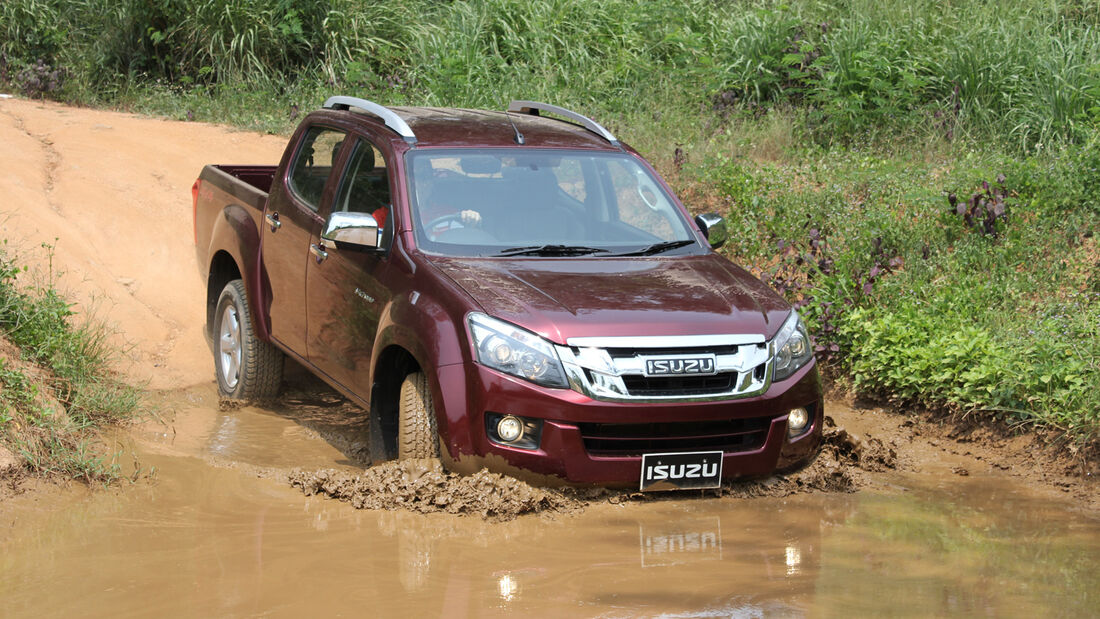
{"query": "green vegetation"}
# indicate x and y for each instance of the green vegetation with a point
(60, 387)
(921, 178)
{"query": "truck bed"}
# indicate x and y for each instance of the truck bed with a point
(248, 183)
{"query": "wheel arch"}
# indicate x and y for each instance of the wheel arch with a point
(391, 366)
(235, 253)
(223, 269)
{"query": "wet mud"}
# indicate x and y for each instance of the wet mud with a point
(424, 486)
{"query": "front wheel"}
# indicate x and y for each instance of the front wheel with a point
(247, 367)
(417, 433)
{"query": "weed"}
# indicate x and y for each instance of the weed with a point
(984, 209)
(49, 415)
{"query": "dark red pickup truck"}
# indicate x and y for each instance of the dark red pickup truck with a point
(516, 290)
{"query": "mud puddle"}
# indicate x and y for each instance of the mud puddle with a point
(218, 531)
(202, 540)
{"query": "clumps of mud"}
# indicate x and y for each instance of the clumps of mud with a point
(840, 467)
(423, 486)
(869, 455)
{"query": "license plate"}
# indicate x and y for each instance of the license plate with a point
(681, 471)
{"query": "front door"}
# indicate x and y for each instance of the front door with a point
(291, 221)
(346, 289)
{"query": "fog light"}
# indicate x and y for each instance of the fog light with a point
(797, 420)
(510, 429)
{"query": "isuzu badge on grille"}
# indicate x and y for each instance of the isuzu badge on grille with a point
(680, 365)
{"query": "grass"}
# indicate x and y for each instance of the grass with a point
(831, 133)
(56, 385)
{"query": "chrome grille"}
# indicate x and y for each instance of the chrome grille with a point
(615, 369)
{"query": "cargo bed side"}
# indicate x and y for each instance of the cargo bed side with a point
(229, 202)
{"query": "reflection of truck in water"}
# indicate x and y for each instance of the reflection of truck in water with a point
(725, 559)
(503, 289)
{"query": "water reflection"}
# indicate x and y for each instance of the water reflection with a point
(690, 539)
(232, 543)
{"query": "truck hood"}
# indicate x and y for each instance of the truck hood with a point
(562, 298)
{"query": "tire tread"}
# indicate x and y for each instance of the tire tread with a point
(262, 371)
(417, 432)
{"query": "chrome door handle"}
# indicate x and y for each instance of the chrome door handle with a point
(273, 221)
(319, 251)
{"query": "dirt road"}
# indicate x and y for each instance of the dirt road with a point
(970, 524)
(110, 192)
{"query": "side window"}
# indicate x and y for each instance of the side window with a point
(365, 187)
(313, 164)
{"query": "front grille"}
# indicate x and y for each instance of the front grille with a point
(609, 370)
(678, 385)
(634, 439)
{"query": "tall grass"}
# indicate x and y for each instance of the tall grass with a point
(1026, 73)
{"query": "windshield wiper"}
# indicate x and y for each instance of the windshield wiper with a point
(658, 248)
(551, 250)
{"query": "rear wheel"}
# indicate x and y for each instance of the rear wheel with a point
(417, 436)
(247, 367)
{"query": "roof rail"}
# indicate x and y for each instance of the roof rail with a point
(390, 117)
(534, 107)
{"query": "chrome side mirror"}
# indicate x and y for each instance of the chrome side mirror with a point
(713, 227)
(360, 229)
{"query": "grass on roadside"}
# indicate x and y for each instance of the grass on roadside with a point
(56, 384)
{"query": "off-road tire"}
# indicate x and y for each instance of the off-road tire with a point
(259, 372)
(417, 436)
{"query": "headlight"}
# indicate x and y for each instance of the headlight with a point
(506, 347)
(792, 347)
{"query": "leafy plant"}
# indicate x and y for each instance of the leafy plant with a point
(984, 209)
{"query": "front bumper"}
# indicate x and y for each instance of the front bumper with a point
(468, 391)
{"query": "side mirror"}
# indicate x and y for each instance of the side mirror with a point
(713, 227)
(358, 229)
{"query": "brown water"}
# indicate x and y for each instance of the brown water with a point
(217, 531)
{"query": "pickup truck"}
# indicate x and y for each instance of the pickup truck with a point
(517, 290)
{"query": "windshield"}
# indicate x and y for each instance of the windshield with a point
(500, 202)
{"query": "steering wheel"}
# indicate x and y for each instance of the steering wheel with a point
(648, 194)
(442, 224)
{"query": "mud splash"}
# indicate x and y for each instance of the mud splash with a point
(424, 486)
(841, 466)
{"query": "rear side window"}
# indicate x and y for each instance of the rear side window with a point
(313, 164)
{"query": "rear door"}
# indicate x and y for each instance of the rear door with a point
(347, 290)
(292, 219)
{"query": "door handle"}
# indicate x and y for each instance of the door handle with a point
(273, 221)
(319, 251)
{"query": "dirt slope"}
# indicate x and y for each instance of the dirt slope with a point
(114, 191)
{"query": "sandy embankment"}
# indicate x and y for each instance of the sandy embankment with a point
(112, 193)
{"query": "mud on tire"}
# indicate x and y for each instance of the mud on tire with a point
(417, 436)
(247, 367)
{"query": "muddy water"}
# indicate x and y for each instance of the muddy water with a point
(217, 531)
